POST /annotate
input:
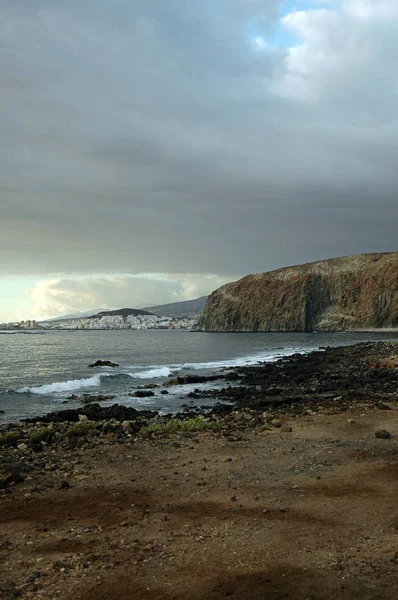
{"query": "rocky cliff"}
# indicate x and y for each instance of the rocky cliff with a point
(339, 294)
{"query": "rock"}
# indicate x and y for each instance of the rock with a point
(65, 485)
(382, 406)
(350, 421)
(23, 447)
(222, 409)
(276, 423)
(287, 429)
(83, 418)
(382, 434)
(94, 412)
(265, 427)
(142, 394)
(189, 379)
(164, 392)
(197, 378)
(232, 438)
(232, 376)
(239, 418)
(103, 363)
(112, 427)
(170, 382)
(56, 417)
(11, 478)
(88, 398)
(10, 439)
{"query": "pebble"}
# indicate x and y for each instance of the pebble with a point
(383, 434)
(276, 423)
(350, 421)
(383, 406)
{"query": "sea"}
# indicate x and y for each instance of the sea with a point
(40, 371)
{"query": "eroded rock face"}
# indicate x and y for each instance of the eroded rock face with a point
(340, 294)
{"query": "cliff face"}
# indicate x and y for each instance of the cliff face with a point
(354, 292)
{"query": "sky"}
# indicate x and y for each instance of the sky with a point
(151, 151)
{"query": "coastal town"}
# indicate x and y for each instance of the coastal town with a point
(136, 322)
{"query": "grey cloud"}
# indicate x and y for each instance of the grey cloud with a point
(60, 296)
(151, 136)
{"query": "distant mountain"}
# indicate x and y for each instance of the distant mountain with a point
(76, 315)
(188, 308)
(123, 312)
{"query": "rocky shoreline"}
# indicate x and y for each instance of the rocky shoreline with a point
(330, 378)
(353, 388)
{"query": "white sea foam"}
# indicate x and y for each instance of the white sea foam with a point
(246, 360)
(156, 372)
(62, 386)
(153, 373)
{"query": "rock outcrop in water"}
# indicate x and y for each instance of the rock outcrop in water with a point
(340, 294)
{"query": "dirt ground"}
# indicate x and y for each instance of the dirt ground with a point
(306, 515)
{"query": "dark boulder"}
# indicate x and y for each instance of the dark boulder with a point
(94, 412)
(142, 394)
(102, 363)
(13, 477)
(382, 434)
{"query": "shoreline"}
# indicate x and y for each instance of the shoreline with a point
(77, 382)
(285, 492)
(241, 385)
(315, 331)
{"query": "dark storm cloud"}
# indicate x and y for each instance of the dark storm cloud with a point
(148, 136)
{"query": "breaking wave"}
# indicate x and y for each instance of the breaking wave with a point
(246, 361)
(153, 372)
(62, 386)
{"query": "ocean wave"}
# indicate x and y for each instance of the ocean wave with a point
(243, 361)
(74, 385)
(157, 371)
(62, 386)
(154, 373)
